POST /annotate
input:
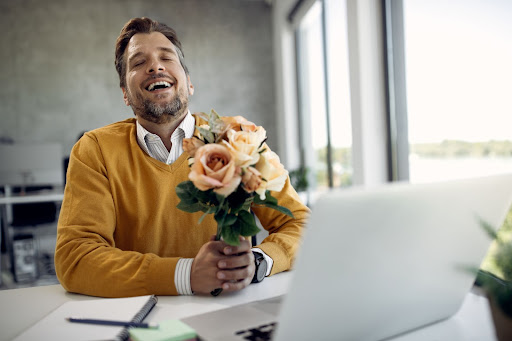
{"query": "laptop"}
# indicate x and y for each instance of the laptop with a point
(376, 263)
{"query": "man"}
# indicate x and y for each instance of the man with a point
(120, 233)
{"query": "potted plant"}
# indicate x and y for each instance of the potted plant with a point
(299, 181)
(495, 278)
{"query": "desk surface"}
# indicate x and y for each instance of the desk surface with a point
(21, 308)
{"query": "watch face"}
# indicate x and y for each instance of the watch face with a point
(261, 267)
(261, 270)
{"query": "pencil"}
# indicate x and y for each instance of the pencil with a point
(112, 323)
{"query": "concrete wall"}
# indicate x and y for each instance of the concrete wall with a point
(57, 62)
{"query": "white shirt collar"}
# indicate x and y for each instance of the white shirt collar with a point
(185, 129)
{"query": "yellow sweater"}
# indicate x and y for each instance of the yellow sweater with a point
(120, 233)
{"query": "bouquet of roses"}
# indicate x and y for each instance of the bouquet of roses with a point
(231, 170)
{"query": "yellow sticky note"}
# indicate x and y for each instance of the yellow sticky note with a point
(171, 330)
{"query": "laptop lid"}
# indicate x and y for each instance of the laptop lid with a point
(379, 262)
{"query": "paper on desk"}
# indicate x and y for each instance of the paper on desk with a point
(55, 327)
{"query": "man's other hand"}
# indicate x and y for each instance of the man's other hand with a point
(219, 265)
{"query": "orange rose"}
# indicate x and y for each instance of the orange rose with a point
(214, 167)
(238, 123)
(251, 179)
(272, 171)
(245, 145)
(191, 145)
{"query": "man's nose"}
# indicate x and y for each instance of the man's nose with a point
(155, 66)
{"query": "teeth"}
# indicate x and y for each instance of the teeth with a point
(152, 86)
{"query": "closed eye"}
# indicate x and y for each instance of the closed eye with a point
(138, 63)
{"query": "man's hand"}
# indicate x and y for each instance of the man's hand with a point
(219, 265)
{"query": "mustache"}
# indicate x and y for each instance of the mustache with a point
(159, 75)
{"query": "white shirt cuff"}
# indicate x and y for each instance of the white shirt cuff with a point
(269, 260)
(182, 276)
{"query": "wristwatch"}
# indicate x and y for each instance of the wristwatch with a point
(261, 267)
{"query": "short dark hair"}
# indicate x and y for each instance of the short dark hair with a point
(143, 25)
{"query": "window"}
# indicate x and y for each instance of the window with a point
(324, 99)
(459, 81)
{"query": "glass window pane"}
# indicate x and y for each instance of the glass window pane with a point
(320, 126)
(312, 96)
(459, 81)
(339, 94)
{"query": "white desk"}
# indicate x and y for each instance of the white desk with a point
(21, 308)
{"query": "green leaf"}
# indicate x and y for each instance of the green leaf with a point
(230, 234)
(488, 228)
(207, 134)
(206, 196)
(220, 216)
(220, 198)
(185, 190)
(247, 204)
(238, 199)
(207, 208)
(189, 201)
(281, 209)
(210, 210)
(190, 208)
(271, 202)
(216, 124)
(269, 199)
(248, 225)
(203, 115)
(230, 219)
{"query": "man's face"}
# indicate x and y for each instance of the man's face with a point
(157, 87)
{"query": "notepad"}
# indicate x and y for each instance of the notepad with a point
(171, 330)
(55, 327)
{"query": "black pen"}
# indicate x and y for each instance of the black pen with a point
(112, 323)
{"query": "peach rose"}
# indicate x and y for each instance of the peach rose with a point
(251, 179)
(214, 167)
(191, 145)
(245, 145)
(238, 123)
(272, 171)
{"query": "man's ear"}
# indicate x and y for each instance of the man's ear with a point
(190, 86)
(125, 97)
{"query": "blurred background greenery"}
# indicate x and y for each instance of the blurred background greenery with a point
(490, 262)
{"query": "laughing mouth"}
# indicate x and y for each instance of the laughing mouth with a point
(158, 85)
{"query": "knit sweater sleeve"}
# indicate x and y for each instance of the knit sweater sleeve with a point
(284, 232)
(87, 260)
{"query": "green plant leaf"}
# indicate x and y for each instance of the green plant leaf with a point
(185, 190)
(230, 219)
(230, 234)
(281, 209)
(269, 199)
(488, 228)
(207, 197)
(248, 225)
(239, 199)
(247, 204)
(216, 124)
(271, 202)
(207, 134)
(220, 216)
(190, 208)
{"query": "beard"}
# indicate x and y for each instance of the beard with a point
(159, 112)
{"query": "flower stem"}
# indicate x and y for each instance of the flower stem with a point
(216, 292)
